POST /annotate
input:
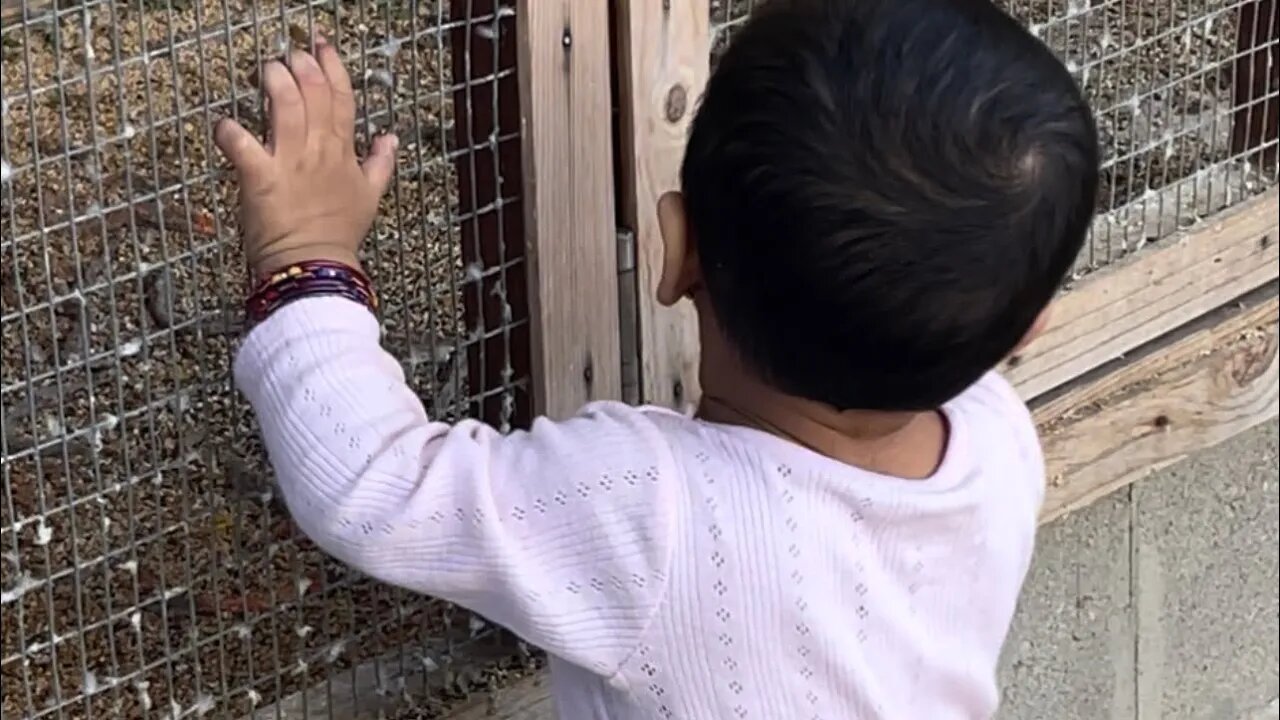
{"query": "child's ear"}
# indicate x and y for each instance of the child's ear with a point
(1038, 327)
(681, 271)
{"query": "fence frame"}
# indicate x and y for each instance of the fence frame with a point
(662, 51)
(564, 158)
(565, 99)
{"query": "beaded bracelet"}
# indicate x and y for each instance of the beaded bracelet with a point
(308, 279)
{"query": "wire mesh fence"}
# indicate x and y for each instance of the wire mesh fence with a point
(1186, 98)
(149, 570)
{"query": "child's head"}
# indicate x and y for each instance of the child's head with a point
(882, 196)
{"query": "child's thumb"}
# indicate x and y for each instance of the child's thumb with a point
(239, 145)
(380, 165)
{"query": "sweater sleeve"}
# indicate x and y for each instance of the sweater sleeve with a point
(561, 533)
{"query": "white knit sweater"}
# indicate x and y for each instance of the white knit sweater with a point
(673, 568)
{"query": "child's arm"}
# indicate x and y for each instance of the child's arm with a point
(562, 533)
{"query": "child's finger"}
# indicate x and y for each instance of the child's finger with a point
(239, 145)
(380, 165)
(344, 101)
(284, 104)
(316, 95)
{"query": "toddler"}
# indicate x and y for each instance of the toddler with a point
(878, 201)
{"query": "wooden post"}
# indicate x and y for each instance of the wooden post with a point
(489, 170)
(569, 200)
(664, 54)
(1257, 81)
(1151, 293)
(1204, 384)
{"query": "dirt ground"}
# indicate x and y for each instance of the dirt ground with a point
(147, 569)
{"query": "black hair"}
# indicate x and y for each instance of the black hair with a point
(884, 194)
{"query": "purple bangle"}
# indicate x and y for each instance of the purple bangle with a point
(308, 279)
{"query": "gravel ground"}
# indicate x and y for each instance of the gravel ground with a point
(147, 569)
(1159, 79)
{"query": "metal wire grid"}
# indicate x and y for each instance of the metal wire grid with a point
(1166, 79)
(148, 569)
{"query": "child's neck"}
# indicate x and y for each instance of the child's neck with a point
(900, 444)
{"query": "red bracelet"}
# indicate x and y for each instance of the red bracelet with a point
(308, 279)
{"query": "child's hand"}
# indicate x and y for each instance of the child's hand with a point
(305, 195)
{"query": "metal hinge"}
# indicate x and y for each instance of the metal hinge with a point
(628, 320)
(626, 250)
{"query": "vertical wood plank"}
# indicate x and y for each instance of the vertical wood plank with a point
(488, 168)
(664, 54)
(569, 204)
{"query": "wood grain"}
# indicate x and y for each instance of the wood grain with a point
(1122, 307)
(663, 51)
(565, 100)
(1199, 391)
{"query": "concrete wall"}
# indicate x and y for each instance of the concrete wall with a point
(1159, 601)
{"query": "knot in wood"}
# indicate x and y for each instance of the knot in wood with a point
(1255, 356)
(677, 100)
